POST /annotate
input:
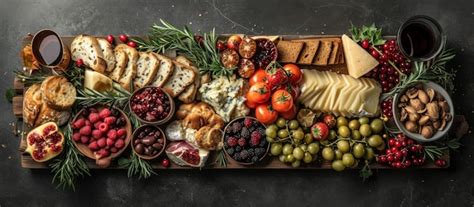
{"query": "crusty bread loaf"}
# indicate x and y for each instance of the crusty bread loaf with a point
(324, 52)
(87, 48)
(121, 59)
(289, 51)
(189, 94)
(48, 114)
(126, 80)
(58, 92)
(309, 51)
(165, 70)
(147, 67)
(32, 102)
(108, 52)
(208, 137)
(182, 77)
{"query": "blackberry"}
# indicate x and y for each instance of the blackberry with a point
(261, 130)
(244, 154)
(251, 152)
(237, 157)
(263, 143)
(245, 133)
(254, 159)
(228, 130)
(238, 148)
(230, 151)
(259, 152)
(236, 127)
(252, 128)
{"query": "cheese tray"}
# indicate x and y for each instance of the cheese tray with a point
(176, 100)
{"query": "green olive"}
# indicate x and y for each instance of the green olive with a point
(354, 124)
(332, 134)
(304, 147)
(313, 148)
(276, 149)
(271, 133)
(290, 158)
(376, 125)
(287, 149)
(328, 153)
(369, 153)
(337, 165)
(344, 131)
(365, 130)
(341, 121)
(308, 138)
(293, 124)
(296, 163)
(273, 127)
(338, 154)
(348, 160)
(356, 135)
(363, 120)
(375, 140)
(298, 134)
(358, 150)
(298, 153)
(307, 157)
(344, 146)
(282, 158)
(283, 133)
(281, 122)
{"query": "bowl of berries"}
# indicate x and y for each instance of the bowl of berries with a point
(244, 140)
(101, 133)
(152, 105)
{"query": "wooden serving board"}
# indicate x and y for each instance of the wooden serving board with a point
(267, 163)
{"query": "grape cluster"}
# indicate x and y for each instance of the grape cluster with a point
(391, 63)
(403, 152)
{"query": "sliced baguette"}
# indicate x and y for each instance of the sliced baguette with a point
(189, 94)
(48, 114)
(121, 59)
(108, 52)
(32, 103)
(58, 92)
(87, 48)
(165, 70)
(147, 67)
(126, 80)
(182, 77)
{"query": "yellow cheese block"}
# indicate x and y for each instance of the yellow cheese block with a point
(359, 62)
(97, 81)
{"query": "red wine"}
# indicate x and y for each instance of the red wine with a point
(50, 49)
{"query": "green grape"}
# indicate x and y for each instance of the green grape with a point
(276, 149)
(338, 154)
(348, 160)
(337, 165)
(282, 158)
(298, 153)
(293, 124)
(358, 150)
(356, 135)
(328, 153)
(290, 158)
(332, 134)
(365, 130)
(344, 146)
(296, 163)
(375, 140)
(281, 122)
(287, 149)
(344, 131)
(376, 125)
(270, 132)
(363, 120)
(341, 121)
(298, 135)
(307, 157)
(369, 153)
(308, 138)
(313, 148)
(283, 133)
(354, 124)
(273, 127)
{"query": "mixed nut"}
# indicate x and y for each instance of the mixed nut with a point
(424, 111)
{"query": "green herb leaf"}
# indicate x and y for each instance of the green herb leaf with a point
(370, 33)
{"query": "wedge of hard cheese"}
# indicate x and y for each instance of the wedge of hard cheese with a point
(359, 61)
(329, 92)
(97, 81)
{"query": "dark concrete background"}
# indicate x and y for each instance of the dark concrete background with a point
(22, 187)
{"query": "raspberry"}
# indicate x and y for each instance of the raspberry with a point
(248, 122)
(79, 123)
(101, 142)
(113, 150)
(104, 113)
(255, 138)
(236, 127)
(94, 117)
(96, 133)
(244, 154)
(85, 130)
(93, 146)
(110, 142)
(119, 144)
(245, 133)
(96, 125)
(121, 133)
(110, 120)
(84, 139)
(232, 141)
(76, 136)
(112, 134)
(88, 123)
(242, 142)
(103, 127)
(103, 153)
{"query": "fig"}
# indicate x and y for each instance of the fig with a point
(45, 142)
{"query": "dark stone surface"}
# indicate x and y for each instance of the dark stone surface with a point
(21, 187)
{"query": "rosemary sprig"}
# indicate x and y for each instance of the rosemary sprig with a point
(89, 97)
(137, 166)
(203, 53)
(221, 159)
(33, 78)
(70, 165)
(436, 150)
(366, 172)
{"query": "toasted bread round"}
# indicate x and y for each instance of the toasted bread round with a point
(58, 92)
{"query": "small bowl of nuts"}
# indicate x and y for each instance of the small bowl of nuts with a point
(423, 111)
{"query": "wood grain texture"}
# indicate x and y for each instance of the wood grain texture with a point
(267, 163)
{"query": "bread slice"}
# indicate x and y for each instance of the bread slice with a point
(309, 51)
(288, 51)
(108, 52)
(58, 92)
(336, 46)
(340, 56)
(182, 77)
(87, 48)
(48, 114)
(324, 52)
(121, 59)
(147, 67)
(32, 102)
(189, 94)
(164, 72)
(126, 80)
